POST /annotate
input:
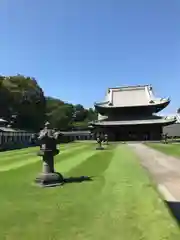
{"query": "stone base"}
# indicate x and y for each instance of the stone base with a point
(99, 148)
(49, 179)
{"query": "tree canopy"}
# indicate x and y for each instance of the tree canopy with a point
(22, 96)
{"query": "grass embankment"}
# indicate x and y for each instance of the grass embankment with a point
(172, 149)
(119, 203)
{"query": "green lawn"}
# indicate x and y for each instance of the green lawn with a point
(119, 204)
(172, 149)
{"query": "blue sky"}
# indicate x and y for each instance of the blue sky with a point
(76, 49)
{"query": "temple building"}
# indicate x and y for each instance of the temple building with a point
(130, 114)
(173, 130)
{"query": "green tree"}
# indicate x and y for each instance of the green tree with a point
(4, 99)
(24, 97)
(61, 117)
(80, 113)
(92, 115)
(83, 124)
(52, 104)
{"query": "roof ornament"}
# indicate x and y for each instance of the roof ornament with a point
(12, 121)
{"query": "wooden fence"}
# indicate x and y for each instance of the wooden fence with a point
(12, 140)
(16, 139)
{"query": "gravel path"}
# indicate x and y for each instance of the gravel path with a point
(164, 169)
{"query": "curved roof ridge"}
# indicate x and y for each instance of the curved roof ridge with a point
(101, 103)
(132, 86)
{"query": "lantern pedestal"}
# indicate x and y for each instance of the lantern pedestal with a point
(49, 177)
(99, 147)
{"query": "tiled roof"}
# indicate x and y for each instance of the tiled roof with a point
(74, 133)
(101, 117)
(177, 116)
(5, 129)
(135, 122)
(131, 96)
(2, 120)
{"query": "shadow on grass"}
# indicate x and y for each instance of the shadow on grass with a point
(175, 210)
(67, 180)
(77, 179)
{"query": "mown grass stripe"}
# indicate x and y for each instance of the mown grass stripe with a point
(85, 160)
(119, 203)
(22, 162)
(90, 151)
(171, 149)
(31, 149)
(75, 160)
(17, 151)
(130, 207)
(95, 164)
(14, 157)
